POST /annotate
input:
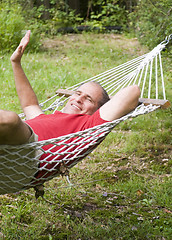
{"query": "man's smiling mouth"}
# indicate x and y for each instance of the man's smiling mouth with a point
(75, 106)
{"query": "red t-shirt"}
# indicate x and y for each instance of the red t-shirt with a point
(56, 125)
(59, 124)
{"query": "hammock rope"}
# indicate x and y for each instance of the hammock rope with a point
(20, 167)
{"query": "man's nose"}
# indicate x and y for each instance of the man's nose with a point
(79, 98)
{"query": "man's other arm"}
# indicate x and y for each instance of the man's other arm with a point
(121, 103)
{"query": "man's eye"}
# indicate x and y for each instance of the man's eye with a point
(89, 99)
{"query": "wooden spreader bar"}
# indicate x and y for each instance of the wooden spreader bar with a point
(65, 92)
(146, 101)
(158, 102)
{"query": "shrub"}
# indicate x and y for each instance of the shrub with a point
(152, 21)
(64, 19)
(12, 27)
(106, 13)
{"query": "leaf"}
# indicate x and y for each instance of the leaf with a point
(140, 192)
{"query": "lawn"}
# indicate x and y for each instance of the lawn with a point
(122, 190)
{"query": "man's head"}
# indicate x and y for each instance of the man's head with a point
(86, 99)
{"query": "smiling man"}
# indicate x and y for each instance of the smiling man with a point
(87, 107)
(87, 99)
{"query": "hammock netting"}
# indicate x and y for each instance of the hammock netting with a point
(20, 167)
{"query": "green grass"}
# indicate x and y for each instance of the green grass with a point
(123, 189)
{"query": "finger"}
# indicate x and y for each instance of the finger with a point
(27, 35)
(26, 38)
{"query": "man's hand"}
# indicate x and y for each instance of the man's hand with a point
(17, 55)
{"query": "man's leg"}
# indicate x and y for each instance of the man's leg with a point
(13, 130)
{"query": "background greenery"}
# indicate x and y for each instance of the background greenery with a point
(149, 20)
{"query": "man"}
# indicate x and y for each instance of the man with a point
(85, 101)
(89, 106)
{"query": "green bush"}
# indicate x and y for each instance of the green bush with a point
(106, 13)
(152, 21)
(65, 19)
(12, 27)
(100, 13)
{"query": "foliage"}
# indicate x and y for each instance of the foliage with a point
(103, 13)
(13, 26)
(152, 21)
(62, 19)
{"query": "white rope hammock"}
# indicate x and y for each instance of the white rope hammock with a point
(20, 165)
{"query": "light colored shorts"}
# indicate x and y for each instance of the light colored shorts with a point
(18, 167)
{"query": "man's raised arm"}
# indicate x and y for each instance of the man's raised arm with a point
(27, 97)
(121, 103)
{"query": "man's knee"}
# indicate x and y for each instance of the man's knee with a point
(12, 129)
(8, 120)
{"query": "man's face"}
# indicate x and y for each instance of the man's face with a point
(84, 100)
